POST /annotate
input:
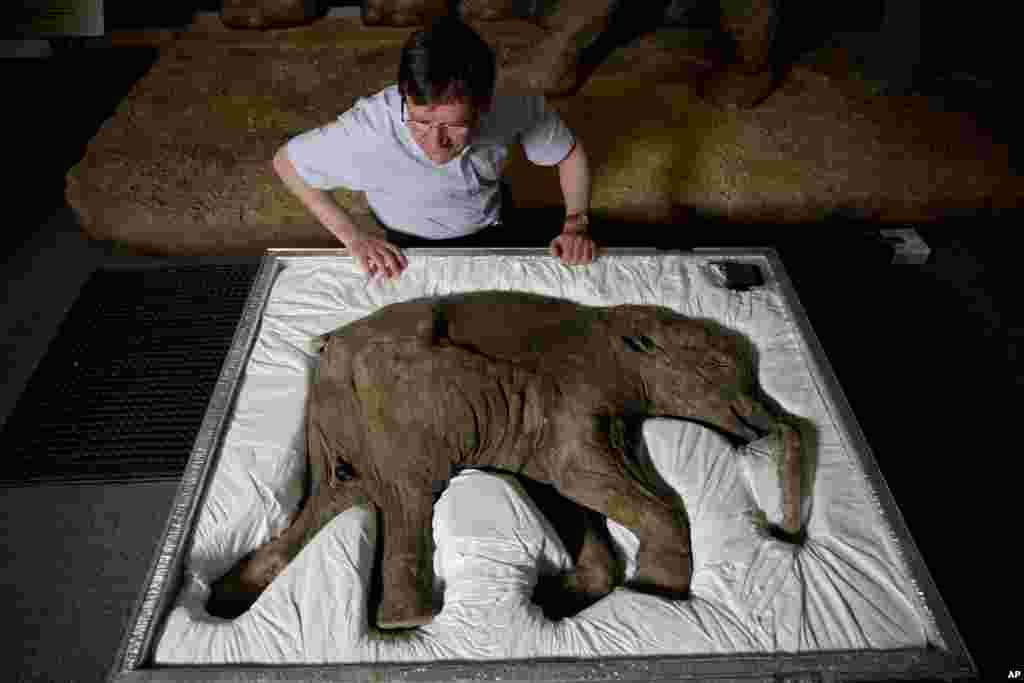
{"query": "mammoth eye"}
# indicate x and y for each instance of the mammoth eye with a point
(642, 343)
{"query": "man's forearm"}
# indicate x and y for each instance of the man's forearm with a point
(574, 176)
(318, 202)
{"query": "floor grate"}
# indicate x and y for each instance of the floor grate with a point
(122, 390)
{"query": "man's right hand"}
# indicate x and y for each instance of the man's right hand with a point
(378, 256)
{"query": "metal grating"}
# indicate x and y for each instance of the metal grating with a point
(122, 390)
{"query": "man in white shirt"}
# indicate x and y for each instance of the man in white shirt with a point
(429, 154)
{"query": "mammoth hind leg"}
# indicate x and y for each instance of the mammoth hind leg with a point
(234, 593)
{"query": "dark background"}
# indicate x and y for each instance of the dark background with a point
(927, 355)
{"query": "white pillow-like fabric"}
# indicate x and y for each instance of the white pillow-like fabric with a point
(760, 462)
(749, 592)
(824, 594)
(702, 467)
(492, 540)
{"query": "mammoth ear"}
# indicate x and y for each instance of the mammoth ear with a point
(641, 343)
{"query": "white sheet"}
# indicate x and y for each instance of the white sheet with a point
(846, 588)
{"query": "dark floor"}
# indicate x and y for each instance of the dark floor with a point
(927, 356)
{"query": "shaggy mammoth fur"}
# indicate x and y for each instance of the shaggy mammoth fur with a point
(526, 384)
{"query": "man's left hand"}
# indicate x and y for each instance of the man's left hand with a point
(574, 247)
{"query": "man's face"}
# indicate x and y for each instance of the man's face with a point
(442, 143)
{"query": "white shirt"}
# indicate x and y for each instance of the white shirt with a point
(370, 149)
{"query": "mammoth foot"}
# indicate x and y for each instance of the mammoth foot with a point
(734, 88)
(234, 593)
(597, 570)
(267, 14)
(407, 595)
(397, 619)
(552, 68)
(664, 571)
(404, 13)
(566, 595)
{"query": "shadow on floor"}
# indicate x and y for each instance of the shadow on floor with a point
(58, 118)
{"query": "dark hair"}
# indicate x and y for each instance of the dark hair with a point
(444, 61)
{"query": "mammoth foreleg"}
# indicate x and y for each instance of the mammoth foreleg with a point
(756, 415)
(594, 475)
(407, 566)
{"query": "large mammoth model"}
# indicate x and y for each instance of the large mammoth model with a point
(521, 383)
(560, 64)
(583, 33)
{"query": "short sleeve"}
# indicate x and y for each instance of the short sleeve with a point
(546, 139)
(331, 156)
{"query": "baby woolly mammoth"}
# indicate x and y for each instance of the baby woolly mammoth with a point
(535, 386)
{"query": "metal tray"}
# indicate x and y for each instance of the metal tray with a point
(134, 660)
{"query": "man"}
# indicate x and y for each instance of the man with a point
(429, 153)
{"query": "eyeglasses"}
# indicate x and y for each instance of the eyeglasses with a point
(420, 128)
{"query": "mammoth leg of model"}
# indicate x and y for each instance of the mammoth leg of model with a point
(597, 570)
(765, 421)
(234, 593)
(594, 473)
(407, 562)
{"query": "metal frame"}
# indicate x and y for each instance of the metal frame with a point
(134, 657)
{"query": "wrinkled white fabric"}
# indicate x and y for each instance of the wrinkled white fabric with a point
(847, 587)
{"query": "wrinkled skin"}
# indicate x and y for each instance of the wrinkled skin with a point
(540, 387)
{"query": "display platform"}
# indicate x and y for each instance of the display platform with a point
(855, 600)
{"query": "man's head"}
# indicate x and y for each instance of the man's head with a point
(446, 79)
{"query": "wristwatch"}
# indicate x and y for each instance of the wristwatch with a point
(578, 220)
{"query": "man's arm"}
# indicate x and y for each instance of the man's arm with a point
(574, 176)
(318, 202)
(574, 245)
